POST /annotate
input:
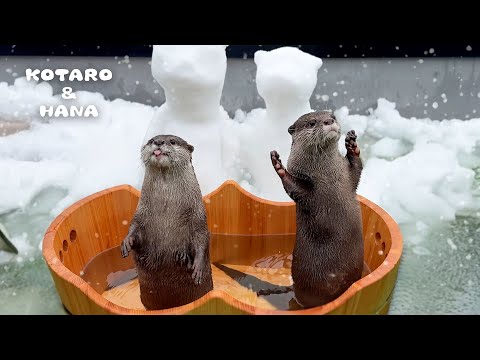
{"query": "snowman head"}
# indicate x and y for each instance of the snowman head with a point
(189, 67)
(286, 74)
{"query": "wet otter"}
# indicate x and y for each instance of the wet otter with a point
(328, 253)
(168, 232)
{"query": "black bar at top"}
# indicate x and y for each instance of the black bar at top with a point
(327, 50)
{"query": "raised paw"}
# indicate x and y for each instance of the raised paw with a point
(127, 245)
(277, 163)
(351, 144)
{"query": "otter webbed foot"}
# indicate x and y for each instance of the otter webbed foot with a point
(198, 268)
(277, 163)
(183, 258)
(351, 144)
(127, 245)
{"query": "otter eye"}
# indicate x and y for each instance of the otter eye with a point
(312, 123)
(172, 142)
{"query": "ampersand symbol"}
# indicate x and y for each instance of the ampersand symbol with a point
(68, 94)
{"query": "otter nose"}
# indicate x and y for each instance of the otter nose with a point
(159, 143)
(328, 121)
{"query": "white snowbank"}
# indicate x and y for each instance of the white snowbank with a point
(419, 170)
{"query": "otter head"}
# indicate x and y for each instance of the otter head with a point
(319, 128)
(167, 151)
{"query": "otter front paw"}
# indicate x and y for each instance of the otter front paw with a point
(182, 258)
(127, 245)
(197, 274)
(351, 144)
(277, 163)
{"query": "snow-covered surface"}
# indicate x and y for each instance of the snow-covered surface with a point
(424, 172)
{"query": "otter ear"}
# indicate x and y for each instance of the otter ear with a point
(190, 148)
(291, 129)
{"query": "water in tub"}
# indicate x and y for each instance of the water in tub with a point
(424, 172)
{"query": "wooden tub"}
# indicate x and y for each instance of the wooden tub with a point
(100, 222)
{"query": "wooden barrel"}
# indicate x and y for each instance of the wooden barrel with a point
(100, 222)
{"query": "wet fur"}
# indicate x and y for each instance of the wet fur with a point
(169, 233)
(328, 252)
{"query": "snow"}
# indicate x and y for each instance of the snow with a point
(414, 168)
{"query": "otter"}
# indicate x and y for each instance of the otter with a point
(168, 233)
(328, 251)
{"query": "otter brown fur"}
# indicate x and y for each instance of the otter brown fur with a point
(328, 252)
(168, 233)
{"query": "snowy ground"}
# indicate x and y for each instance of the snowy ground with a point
(425, 173)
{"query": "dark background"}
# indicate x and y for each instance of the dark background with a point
(338, 49)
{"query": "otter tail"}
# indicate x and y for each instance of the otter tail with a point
(262, 288)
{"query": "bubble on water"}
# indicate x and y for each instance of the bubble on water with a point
(469, 48)
(124, 222)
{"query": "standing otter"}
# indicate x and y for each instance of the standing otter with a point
(328, 253)
(169, 233)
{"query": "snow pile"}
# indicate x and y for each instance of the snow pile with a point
(420, 170)
(417, 169)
